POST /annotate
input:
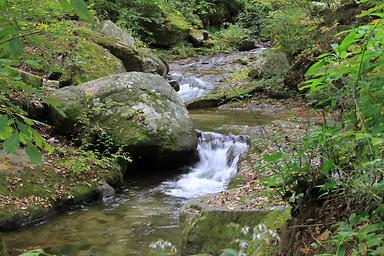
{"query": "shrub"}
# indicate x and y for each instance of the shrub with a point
(230, 38)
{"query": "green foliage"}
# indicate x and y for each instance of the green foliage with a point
(229, 38)
(37, 252)
(255, 17)
(344, 158)
(20, 20)
(356, 237)
(291, 27)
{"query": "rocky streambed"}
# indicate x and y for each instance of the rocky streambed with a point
(149, 206)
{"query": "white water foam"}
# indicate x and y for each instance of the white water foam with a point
(191, 87)
(218, 159)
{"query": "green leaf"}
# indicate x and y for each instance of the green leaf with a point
(231, 252)
(348, 40)
(25, 135)
(341, 251)
(5, 127)
(34, 64)
(315, 68)
(17, 47)
(327, 166)
(39, 141)
(81, 9)
(12, 144)
(34, 155)
(66, 6)
(273, 157)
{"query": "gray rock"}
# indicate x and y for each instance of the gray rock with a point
(196, 37)
(106, 191)
(139, 112)
(73, 104)
(109, 28)
(50, 84)
(268, 64)
(249, 44)
(154, 64)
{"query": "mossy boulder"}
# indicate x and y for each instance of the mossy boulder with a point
(76, 53)
(153, 63)
(110, 29)
(196, 37)
(209, 229)
(162, 25)
(141, 60)
(64, 55)
(73, 103)
(269, 63)
(174, 30)
(88, 61)
(138, 112)
(66, 177)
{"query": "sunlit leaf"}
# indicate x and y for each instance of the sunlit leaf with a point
(274, 157)
(34, 155)
(66, 5)
(81, 9)
(12, 144)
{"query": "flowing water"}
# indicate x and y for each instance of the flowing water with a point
(218, 156)
(200, 76)
(148, 207)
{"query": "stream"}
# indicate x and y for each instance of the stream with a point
(147, 208)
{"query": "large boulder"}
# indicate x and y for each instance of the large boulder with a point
(141, 60)
(269, 63)
(109, 28)
(173, 30)
(137, 112)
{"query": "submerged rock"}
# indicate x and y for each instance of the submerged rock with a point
(137, 112)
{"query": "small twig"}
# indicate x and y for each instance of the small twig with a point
(314, 225)
(20, 36)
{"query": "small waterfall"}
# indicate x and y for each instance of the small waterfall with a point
(218, 159)
(191, 87)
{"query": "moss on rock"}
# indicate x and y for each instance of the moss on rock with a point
(208, 229)
(138, 112)
(61, 53)
(67, 177)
